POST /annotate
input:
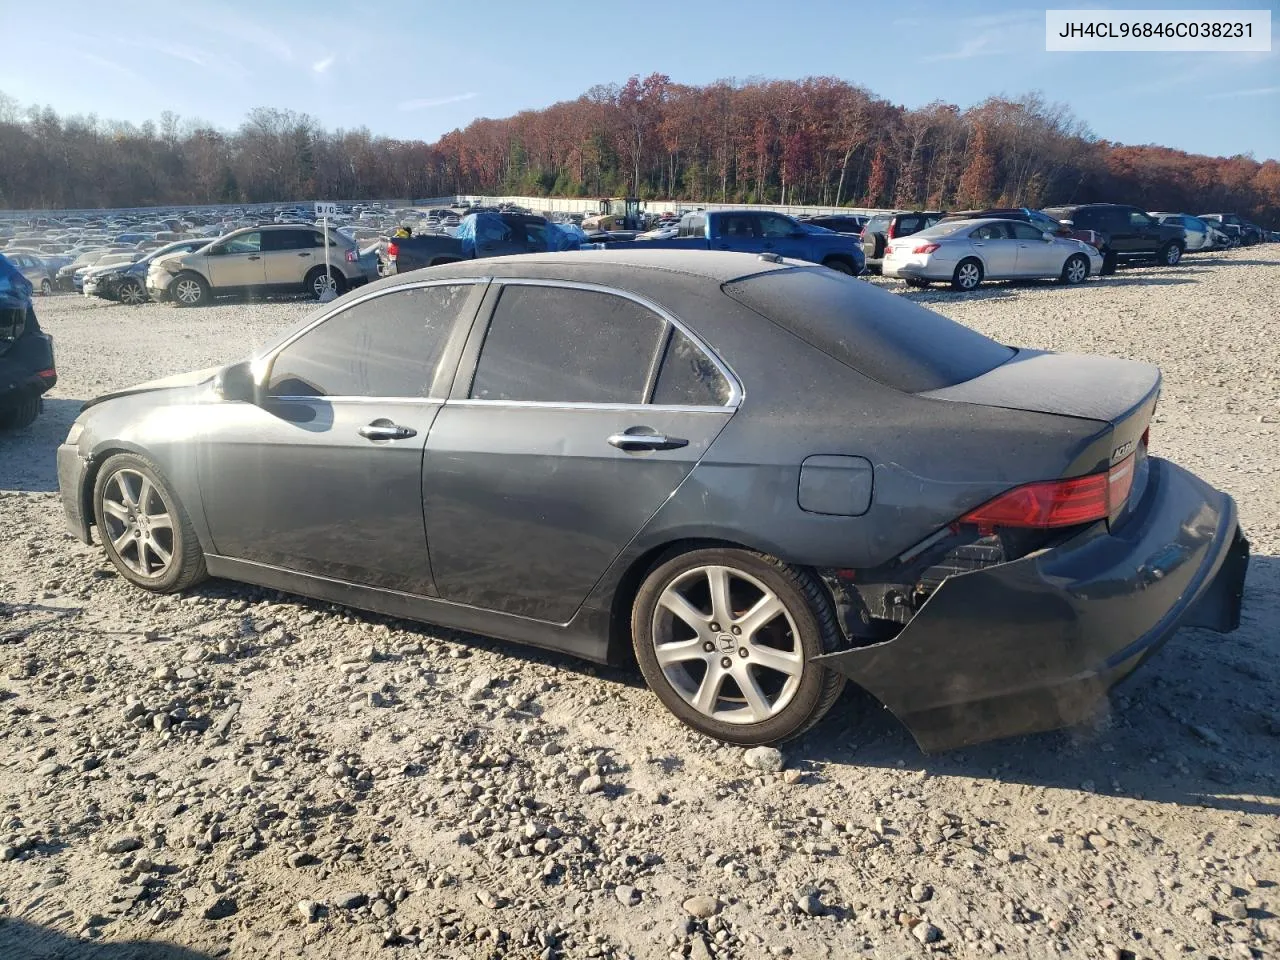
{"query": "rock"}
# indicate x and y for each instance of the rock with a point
(1112, 952)
(764, 759)
(7, 853)
(188, 673)
(302, 859)
(219, 908)
(122, 844)
(698, 949)
(1202, 915)
(702, 907)
(194, 654)
(926, 932)
(381, 909)
(792, 777)
(309, 909)
(487, 898)
(49, 768)
(1207, 734)
(161, 721)
(628, 896)
(592, 784)
(478, 688)
(165, 673)
(350, 900)
(1237, 910)
(810, 905)
(921, 893)
(550, 748)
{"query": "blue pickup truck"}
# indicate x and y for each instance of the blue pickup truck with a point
(759, 231)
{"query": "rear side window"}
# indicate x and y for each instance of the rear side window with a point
(388, 346)
(881, 335)
(566, 345)
(688, 377)
(1088, 219)
(1025, 231)
(692, 227)
(908, 225)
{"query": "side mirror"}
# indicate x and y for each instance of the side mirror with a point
(236, 384)
(1049, 235)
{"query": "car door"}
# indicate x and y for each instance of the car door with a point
(237, 262)
(289, 254)
(1037, 257)
(739, 232)
(324, 476)
(782, 236)
(999, 251)
(576, 413)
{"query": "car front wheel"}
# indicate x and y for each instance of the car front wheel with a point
(144, 529)
(189, 290)
(726, 639)
(132, 293)
(1170, 254)
(1075, 270)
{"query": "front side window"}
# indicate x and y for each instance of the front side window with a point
(989, 231)
(1025, 231)
(245, 243)
(566, 345)
(738, 225)
(772, 225)
(387, 346)
(1139, 219)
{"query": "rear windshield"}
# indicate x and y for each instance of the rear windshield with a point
(881, 335)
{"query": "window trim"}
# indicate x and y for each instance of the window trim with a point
(262, 366)
(736, 391)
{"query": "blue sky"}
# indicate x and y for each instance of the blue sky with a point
(418, 68)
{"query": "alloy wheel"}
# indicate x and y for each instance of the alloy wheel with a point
(1077, 270)
(969, 275)
(138, 523)
(727, 645)
(132, 294)
(322, 283)
(188, 291)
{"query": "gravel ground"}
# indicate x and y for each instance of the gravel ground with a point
(247, 774)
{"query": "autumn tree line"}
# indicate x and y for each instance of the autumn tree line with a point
(814, 141)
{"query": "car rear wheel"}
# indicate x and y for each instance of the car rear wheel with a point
(726, 639)
(190, 290)
(1170, 254)
(914, 282)
(21, 414)
(319, 281)
(144, 529)
(46, 287)
(967, 276)
(1076, 269)
(131, 292)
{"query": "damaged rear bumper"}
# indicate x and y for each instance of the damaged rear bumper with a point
(1035, 643)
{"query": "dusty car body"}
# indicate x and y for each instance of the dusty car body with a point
(762, 476)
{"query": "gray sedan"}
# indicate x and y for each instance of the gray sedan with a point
(966, 252)
(760, 478)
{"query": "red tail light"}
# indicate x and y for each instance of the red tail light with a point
(926, 248)
(393, 251)
(352, 256)
(892, 232)
(1057, 503)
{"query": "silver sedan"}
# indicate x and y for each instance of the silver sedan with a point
(966, 252)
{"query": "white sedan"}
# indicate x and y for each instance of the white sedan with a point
(966, 252)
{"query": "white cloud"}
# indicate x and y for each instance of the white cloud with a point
(1252, 92)
(320, 66)
(425, 102)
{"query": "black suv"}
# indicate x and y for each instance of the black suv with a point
(26, 352)
(883, 227)
(1129, 234)
(840, 223)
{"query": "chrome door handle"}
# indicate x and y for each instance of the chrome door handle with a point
(254, 257)
(646, 441)
(304, 254)
(386, 430)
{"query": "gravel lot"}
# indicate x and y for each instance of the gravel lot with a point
(246, 774)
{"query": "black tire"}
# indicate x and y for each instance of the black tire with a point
(1170, 255)
(1109, 263)
(314, 281)
(1072, 272)
(190, 290)
(186, 559)
(132, 292)
(46, 287)
(968, 275)
(804, 601)
(840, 266)
(21, 414)
(917, 283)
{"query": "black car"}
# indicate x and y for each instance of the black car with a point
(1129, 234)
(762, 478)
(27, 370)
(883, 227)
(850, 223)
(1232, 224)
